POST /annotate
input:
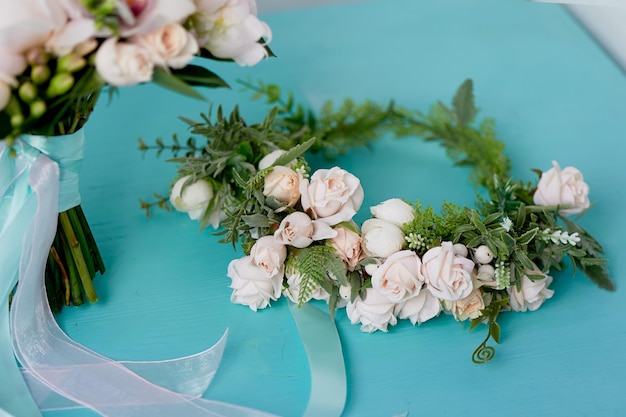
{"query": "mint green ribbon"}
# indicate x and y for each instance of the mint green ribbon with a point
(17, 206)
(328, 371)
(30, 198)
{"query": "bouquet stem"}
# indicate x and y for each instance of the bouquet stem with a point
(73, 262)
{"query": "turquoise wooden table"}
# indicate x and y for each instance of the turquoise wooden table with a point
(555, 96)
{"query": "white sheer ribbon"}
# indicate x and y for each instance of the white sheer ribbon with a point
(54, 363)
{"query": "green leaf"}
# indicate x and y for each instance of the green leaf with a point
(463, 228)
(198, 76)
(316, 265)
(599, 274)
(293, 153)
(475, 322)
(171, 82)
(463, 103)
(527, 237)
(494, 331)
(256, 220)
(332, 302)
(492, 218)
(524, 260)
(475, 219)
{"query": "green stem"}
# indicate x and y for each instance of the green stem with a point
(53, 284)
(78, 258)
(82, 241)
(91, 242)
(72, 273)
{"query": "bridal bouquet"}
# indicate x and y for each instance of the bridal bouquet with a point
(409, 262)
(58, 55)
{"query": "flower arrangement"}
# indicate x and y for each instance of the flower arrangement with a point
(407, 261)
(58, 56)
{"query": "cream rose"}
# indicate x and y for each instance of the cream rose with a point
(230, 29)
(283, 184)
(419, 309)
(448, 276)
(347, 245)
(298, 230)
(269, 255)
(331, 195)
(292, 291)
(375, 312)
(532, 294)
(399, 277)
(170, 46)
(562, 187)
(252, 285)
(394, 211)
(123, 63)
(194, 199)
(468, 307)
(381, 238)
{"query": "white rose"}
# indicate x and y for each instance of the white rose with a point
(399, 277)
(230, 29)
(283, 184)
(170, 46)
(448, 276)
(59, 25)
(298, 230)
(252, 285)
(468, 307)
(376, 312)
(123, 63)
(193, 199)
(381, 238)
(269, 255)
(394, 211)
(420, 308)
(292, 291)
(532, 293)
(562, 187)
(347, 245)
(332, 195)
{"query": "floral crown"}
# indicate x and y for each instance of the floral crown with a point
(405, 262)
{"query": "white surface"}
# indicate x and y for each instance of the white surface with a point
(608, 25)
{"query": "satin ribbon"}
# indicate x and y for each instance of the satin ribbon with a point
(328, 372)
(52, 362)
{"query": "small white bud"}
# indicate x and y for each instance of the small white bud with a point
(483, 255)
